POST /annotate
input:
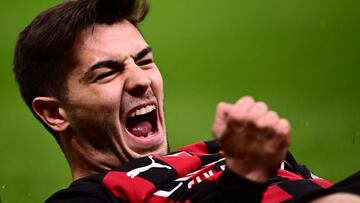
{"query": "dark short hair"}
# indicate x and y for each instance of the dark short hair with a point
(43, 53)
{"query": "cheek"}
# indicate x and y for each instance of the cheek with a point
(94, 116)
(94, 129)
(157, 84)
(96, 104)
(89, 111)
(105, 95)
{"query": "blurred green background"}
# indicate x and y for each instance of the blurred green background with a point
(301, 57)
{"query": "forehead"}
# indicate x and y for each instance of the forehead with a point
(116, 41)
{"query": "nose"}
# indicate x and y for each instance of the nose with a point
(138, 82)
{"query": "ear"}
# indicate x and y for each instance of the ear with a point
(50, 111)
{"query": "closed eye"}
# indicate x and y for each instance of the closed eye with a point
(145, 62)
(105, 75)
(104, 71)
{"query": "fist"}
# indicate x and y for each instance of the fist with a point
(254, 139)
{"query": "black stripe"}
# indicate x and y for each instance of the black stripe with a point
(276, 180)
(299, 188)
(212, 146)
(207, 159)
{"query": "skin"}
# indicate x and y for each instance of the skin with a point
(338, 198)
(255, 139)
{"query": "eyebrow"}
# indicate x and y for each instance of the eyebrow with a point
(106, 63)
(142, 53)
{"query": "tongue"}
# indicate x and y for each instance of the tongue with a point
(140, 129)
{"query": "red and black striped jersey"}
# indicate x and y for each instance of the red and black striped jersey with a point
(195, 173)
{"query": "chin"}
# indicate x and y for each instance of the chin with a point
(137, 151)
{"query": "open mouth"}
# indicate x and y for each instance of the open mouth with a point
(142, 122)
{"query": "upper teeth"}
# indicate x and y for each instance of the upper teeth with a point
(143, 110)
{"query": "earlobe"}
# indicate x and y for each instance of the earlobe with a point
(51, 113)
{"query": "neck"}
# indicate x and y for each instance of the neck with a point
(85, 160)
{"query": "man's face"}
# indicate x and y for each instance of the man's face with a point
(115, 94)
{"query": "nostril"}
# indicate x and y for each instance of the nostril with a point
(138, 90)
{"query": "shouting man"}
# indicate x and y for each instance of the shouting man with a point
(89, 76)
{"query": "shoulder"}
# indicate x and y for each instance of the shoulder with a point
(89, 190)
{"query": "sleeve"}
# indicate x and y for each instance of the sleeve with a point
(349, 185)
(83, 193)
(233, 188)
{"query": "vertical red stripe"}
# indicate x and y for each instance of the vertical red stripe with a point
(275, 194)
(128, 189)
